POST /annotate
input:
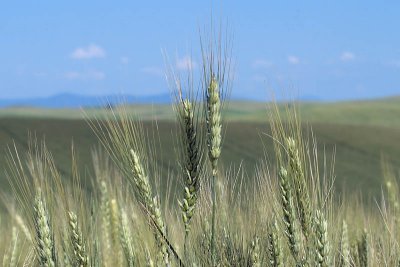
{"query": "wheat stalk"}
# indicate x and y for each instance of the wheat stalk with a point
(6, 258)
(344, 247)
(114, 212)
(213, 122)
(14, 251)
(105, 220)
(23, 227)
(115, 228)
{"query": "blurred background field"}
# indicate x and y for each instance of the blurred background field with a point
(361, 133)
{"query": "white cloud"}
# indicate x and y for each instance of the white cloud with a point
(293, 60)
(156, 71)
(87, 75)
(347, 56)
(91, 51)
(261, 64)
(185, 63)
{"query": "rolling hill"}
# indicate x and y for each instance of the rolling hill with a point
(360, 132)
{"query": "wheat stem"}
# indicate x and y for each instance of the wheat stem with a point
(23, 227)
(14, 251)
(344, 247)
(105, 220)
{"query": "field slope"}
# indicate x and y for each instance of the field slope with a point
(360, 132)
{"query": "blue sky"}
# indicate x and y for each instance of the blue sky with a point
(328, 51)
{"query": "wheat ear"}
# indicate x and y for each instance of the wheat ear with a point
(44, 234)
(300, 185)
(322, 243)
(78, 244)
(126, 239)
(274, 246)
(289, 215)
(149, 261)
(214, 125)
(363, 250)
(191, 166)
(115, 228)
(65, 246)
(150, 204)
(255, 255)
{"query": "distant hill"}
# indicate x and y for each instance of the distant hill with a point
(75, 101)
(66, 100)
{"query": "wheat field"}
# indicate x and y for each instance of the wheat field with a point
(133, 212)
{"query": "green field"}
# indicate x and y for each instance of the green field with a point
(101, 218)
(380, 112)
(362, 132)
